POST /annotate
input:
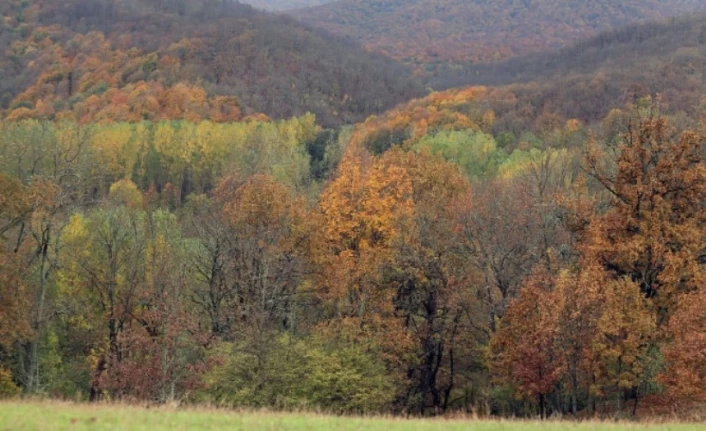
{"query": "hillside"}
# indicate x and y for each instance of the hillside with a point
(426, 32)
(556, 98)
(149, 59)
(614, 68)
(634, 49)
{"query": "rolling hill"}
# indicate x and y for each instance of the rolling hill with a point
(635, 49)
(557, 98)
(167, 59)
(425, 33)
(587, 79)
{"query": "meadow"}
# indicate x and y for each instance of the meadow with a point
(66, 416)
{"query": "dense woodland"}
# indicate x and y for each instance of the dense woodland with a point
(91, 60)
(658, 57)
(428, 33)
(424, 261)
(534, 249)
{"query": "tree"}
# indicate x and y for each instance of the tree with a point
(28, 213)
(365, 210)
(162, 345)
(252, 264)
(685, 354)
(652, 233)
(582, 306)
(639, 251)
(525, 352)
(475, 152)
(621, 347)
(15, 204)
(434, 283)
(15, 304)
(103, 262)
(512, 225)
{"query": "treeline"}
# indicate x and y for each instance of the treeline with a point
(427, 261)
(175, 159)
(109, 60)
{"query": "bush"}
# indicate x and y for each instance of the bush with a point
(307, 374)
(346, 381)
(8, 388)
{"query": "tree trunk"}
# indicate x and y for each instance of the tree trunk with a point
(96, 390)
(574, 390)
(449, 387)
(33, 381)
(637, 398)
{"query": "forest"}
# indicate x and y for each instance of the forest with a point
(90, 60)
(429, 34)
(657, 56)
(530, 248)
(421, 262)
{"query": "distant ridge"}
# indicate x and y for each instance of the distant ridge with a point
(431, 32)
(665, 58)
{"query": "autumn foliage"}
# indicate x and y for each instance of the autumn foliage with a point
(426, 33)
(428, 260)
(634, 287)
(88, 60)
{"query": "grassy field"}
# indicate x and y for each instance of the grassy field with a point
(59, 416)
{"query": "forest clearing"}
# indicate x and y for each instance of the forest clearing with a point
(68, 416)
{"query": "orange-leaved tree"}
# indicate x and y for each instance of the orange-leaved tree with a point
(653, 230)
(524, 351)
(435, 283)
(365, 211)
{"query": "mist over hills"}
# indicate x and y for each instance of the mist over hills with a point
(282, 5)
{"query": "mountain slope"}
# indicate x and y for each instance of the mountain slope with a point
(427, 32)
(637, 50)
(496, 115)
(589, 78)
(162, 59)
(556, 99)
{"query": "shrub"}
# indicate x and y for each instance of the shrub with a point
(8, 388)
(292, 374)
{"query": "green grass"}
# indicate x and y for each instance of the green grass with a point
(60, 416)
